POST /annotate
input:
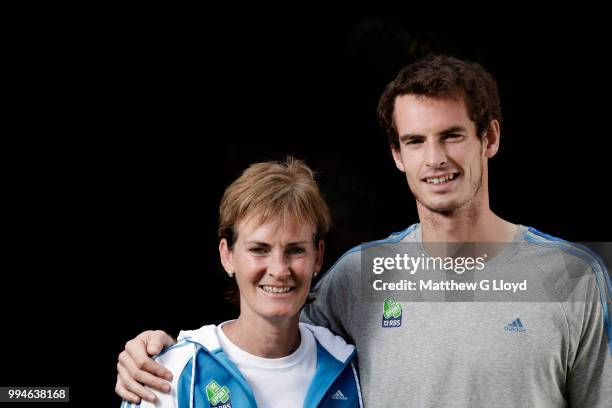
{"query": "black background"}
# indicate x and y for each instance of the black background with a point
(123, 129)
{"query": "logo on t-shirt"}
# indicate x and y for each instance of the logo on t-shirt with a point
(218, 396)
(516, 326)
(392, 313)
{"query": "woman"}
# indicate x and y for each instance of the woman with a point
(271, 229)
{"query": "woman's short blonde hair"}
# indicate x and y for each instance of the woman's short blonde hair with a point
(271, 191)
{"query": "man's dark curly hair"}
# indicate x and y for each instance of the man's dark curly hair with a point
(441, 76)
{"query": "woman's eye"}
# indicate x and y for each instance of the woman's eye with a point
(257, 250)
(296, 250)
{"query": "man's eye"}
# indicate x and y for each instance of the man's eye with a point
(453, 136)
(413, 141)
(257, 250)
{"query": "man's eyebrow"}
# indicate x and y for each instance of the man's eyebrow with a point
(261, 243)
(409, 136)
(453, 129)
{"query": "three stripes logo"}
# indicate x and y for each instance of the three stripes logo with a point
(516, 326)
(339, 396)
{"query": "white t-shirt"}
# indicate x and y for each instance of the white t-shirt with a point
(276, 382)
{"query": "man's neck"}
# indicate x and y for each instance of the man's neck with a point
(465, 225)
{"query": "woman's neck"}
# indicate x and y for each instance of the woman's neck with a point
(264, 338)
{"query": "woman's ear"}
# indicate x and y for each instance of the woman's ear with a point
(226, 255)
(319, 260)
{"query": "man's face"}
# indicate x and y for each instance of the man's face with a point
(440, 152)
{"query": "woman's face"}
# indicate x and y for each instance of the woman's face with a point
(274, 264)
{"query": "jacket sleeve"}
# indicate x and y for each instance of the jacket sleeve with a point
(174, 359)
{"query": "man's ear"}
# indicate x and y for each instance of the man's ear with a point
(226, 256)
(491, 139)
(397, 158)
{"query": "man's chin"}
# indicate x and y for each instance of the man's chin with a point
(442, 208)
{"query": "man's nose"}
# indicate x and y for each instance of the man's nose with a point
(435, 155)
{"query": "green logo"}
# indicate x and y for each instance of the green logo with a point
(392, 308)
(217, 394)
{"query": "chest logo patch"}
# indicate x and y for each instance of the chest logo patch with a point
(392, 313)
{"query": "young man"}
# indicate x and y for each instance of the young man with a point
(443, 119)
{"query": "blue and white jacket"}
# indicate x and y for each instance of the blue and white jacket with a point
(204, 377)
